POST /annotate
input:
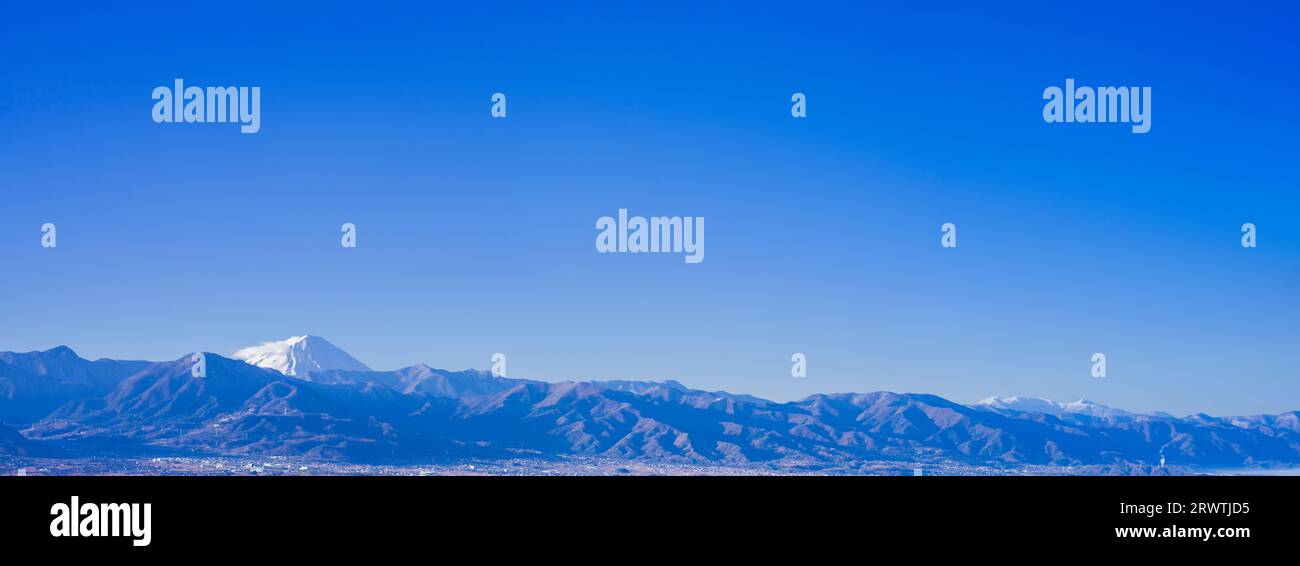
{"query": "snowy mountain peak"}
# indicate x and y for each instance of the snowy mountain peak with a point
(1047, 406)
(299, 355)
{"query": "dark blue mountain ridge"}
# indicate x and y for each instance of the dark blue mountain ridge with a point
(13, 443)
(422, 414)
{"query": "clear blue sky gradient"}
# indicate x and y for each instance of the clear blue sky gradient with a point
(477, 235)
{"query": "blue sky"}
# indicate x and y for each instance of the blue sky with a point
(477, 235)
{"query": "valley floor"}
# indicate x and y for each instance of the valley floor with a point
(577, 466)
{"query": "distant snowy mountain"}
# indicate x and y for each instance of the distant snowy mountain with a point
(1049, 407)
(299, 355)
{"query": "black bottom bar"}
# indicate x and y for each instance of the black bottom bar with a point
(260, 517)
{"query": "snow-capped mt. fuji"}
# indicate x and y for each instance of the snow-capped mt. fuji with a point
(1047, 406)
(300, 355)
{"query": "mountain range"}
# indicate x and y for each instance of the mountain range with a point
(305, 397)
